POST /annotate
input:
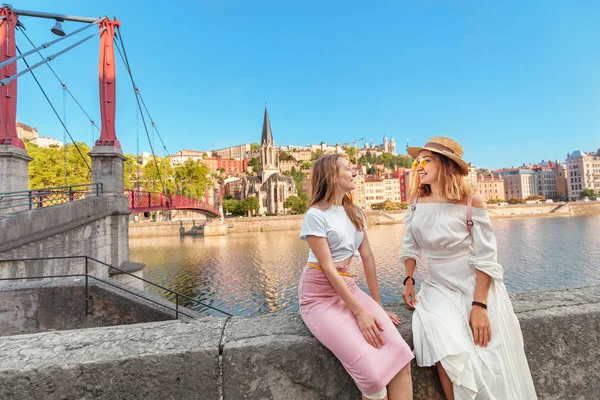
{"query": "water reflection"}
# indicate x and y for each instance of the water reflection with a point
(257, 273)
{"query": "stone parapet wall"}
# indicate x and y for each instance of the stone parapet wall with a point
(275, 357)
(51, 305)
(171, 228)
(95, 227)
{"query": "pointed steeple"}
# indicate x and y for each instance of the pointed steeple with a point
(267, 135)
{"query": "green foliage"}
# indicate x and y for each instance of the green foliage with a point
(298, 176)
(351, 152)
(390, 205)
(285, 156)
(255, 164)
(191, 178)
(316, 154)
(534, 198)
(132, 168)
(48, 170)
(516, 201)
(254, 146)
(590, 193)
(233, 206)
(387, 159)
(48, 166)
(296, 204)
(496, 201)
(250, 205)
(306, 165)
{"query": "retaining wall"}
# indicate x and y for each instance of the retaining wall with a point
(275, 357)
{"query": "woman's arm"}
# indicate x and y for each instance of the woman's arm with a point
(408, 294)
(480, 322)
(368, 261)
(368, 325)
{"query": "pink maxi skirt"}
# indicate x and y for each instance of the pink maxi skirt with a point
(333, 324)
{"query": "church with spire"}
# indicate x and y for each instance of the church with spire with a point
(270, 187)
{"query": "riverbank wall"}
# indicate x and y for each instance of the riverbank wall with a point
(294, 222)
(274, 357)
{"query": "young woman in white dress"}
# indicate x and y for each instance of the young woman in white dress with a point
(463, 322)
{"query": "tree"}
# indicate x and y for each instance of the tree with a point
(298, 177)
(306, 165)
(255, 164)
(389, 205)
(250, 205)
(536, 198)
(296, 204)
(195, 175)
(232, 206)
(48, 166)
(317, 154)
(254, 146)
(285, 156)
(351, 152)
(590, 193)
(372, 171)
(130, 171)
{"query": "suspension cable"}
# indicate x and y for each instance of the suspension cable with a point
(55, 112)
(65, 134)
(138, 90)
(64, 86)
(137, 97)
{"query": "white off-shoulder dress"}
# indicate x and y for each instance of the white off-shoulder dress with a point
(440, 323)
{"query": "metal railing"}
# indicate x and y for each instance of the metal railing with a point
(140, 201)
(87, 276)
(46, 197)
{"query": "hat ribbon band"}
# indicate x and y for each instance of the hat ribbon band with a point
(441, 148)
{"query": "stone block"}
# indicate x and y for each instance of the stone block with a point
(161, 360)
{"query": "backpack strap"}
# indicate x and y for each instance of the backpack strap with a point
(413, 207)
(470, 214)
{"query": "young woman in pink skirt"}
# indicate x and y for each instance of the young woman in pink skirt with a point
(350, 323)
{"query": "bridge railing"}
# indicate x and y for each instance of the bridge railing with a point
(46, 197)
(179, 299)
(146, 201)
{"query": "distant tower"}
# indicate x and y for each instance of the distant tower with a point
(269, 157)
(385, 145)
(393, 147)
(323, 147)
(372, 144)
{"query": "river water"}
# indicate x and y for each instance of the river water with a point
(255, 273)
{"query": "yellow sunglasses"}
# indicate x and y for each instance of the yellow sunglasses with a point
(423, 163)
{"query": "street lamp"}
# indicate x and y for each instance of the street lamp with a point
(57, 29)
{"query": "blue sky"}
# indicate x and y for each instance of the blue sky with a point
(513, 81)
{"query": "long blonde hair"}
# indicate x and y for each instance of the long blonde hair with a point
(453, 185)
(322, 189)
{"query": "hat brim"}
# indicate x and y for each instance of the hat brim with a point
(462, 165)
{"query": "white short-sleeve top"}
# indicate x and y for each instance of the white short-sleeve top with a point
(335, 225)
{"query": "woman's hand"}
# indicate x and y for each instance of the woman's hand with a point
(409, 294)
(393, 317)
(370, 328)
(480, 325)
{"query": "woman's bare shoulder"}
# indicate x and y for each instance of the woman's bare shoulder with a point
(478, 201)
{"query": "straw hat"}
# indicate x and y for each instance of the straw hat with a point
(445, 146)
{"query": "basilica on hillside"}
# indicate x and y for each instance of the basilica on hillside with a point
(270, 186)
